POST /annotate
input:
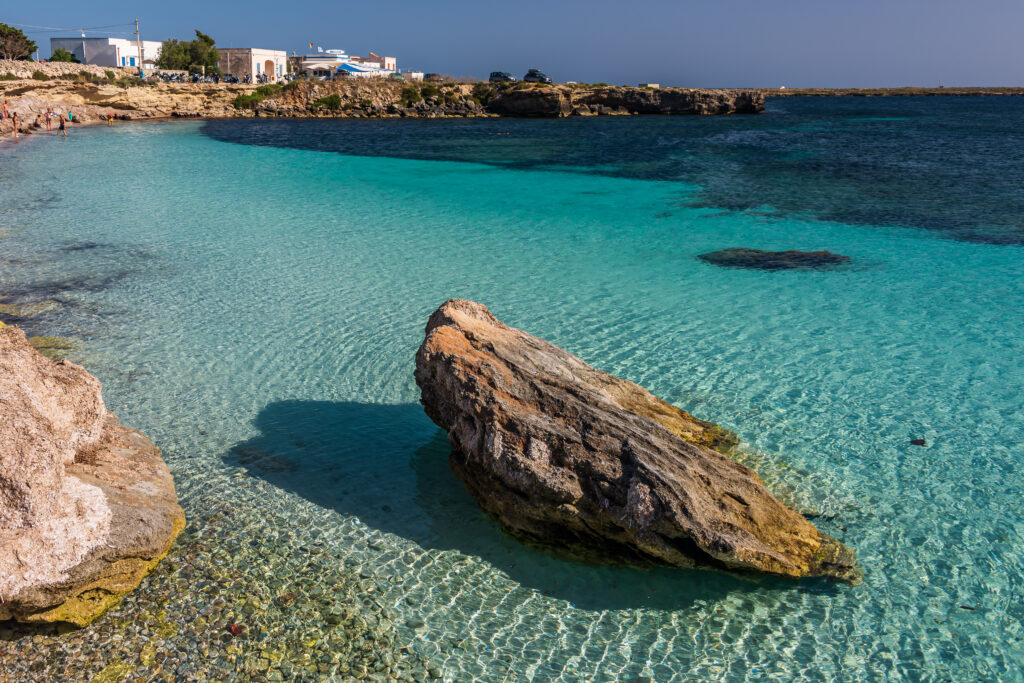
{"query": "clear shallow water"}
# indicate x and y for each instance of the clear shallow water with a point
(255, 310)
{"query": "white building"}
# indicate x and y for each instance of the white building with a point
(109, 51)
(322, 63)
(333, 63)
(250, 61)
(375, 60)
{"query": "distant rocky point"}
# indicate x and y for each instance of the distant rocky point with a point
(582, 462)
(94, 94)
(87, 506)
(740, 257)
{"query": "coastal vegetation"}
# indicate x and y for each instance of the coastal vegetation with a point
(14, 44)
(262, 92)
(62, 55)
(410, 96)
(195, 56)
(331, 102)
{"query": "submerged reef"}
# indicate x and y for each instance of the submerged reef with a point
(582, 462)
(87, 506)
(740, 257)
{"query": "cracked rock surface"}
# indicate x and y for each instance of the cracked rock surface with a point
(87, 506)
(578, 460)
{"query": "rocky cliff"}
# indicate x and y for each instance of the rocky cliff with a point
(391, 99)
(94, 97)
(87, 506)
(576, 459)
(558, 101)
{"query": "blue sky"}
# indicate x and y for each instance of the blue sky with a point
(714, 43)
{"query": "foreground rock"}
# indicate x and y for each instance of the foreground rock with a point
(573, 458)
(87, 506)
(774, 260)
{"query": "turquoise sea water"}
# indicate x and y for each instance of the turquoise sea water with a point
(255, 309)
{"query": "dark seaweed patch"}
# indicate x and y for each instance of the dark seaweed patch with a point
(774, 260)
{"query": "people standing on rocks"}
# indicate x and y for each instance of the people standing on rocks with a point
(5, 115)
(62, 129)
(110, 119)
(49, 120)
(15, 117)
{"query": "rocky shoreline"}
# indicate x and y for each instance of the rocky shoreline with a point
(92, 98)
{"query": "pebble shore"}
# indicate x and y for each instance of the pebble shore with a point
(226, 605)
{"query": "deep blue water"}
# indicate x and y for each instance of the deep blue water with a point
(951, 164)
(252, 293)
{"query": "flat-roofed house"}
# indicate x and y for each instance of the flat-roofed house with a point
(109, 51)
(334, 63)
(375, 60)
(251, 61)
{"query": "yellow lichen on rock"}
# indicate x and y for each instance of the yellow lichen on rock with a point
(96, 597)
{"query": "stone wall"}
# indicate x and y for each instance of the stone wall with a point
(22, 69)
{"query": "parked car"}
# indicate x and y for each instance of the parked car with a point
(502, 77)
(537, 76)
(433, 77)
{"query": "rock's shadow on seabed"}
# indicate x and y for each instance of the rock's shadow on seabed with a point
(388, 466)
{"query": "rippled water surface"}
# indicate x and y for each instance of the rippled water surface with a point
(252, 294)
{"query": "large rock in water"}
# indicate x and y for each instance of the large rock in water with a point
(87, 506)
(576, 459)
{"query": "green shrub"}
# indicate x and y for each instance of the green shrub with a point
(129, 81)
(246, 101)
(8, 77)
(111, 76)
(349, 106)
(410, 95)
(365, 103)
(265, 91)
(261, 93)
(482, 92)
(429, 91)
(330, 102)
(39, 76)
(62, 55)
